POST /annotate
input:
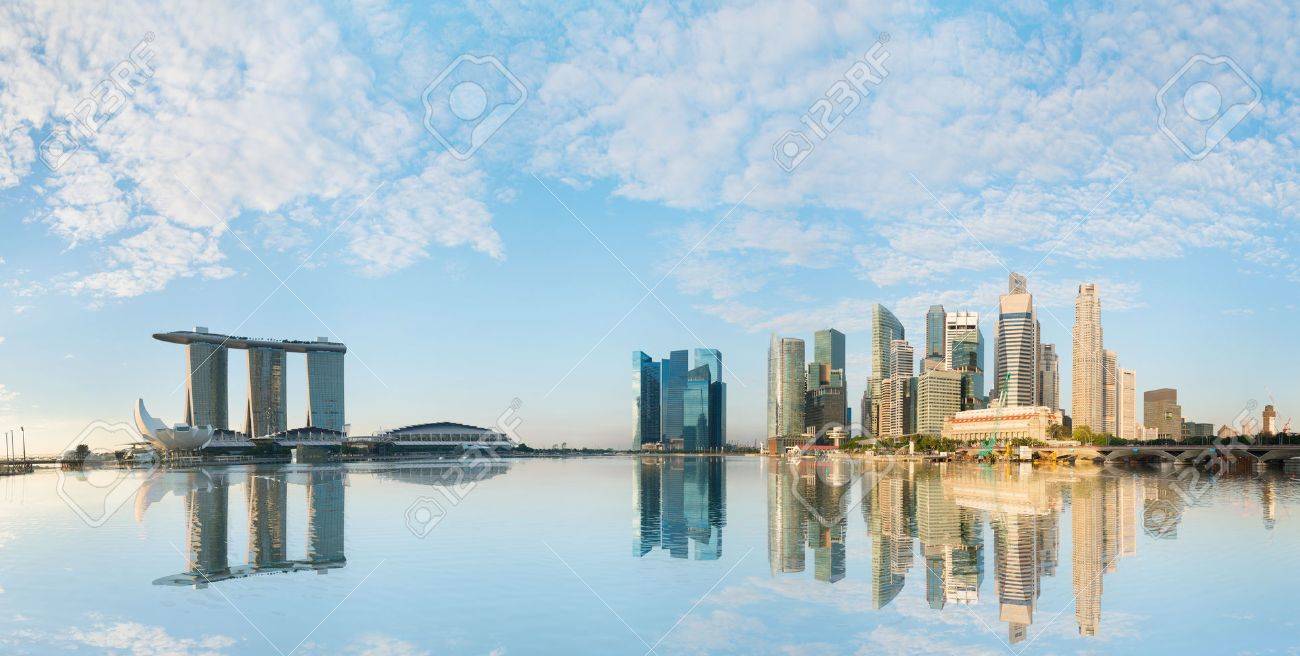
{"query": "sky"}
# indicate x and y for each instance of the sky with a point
(503, 201)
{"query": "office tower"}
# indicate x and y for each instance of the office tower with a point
(673, 384)
(1127, 400)
(1017, 346)
(902, 359)
(1270, 421)
(695, 410)
(939, 397)
(818, 374)
(786, 385)
(1087, 394)
(824, 407)
(1110, 392)
(717, 396)
(267, 395)
(936, 342)
(645, 400)
(1049, 377)
(828, 348)
(206, 395)
(325, 388)
(885, 328)
(964, 352)
(1160, 410)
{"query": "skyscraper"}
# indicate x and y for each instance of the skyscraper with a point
(1127, 399)
(828, 348)
(717, 396)
(325, 388)
(786, 385)
(207, 401)
(1087, 395)
(1017, 346)
(1049, 377)
(936, 342)
(885, 328)
(673, 384)
(964, 352)
(646, 374)
(1160, 410)
(267, 394)
(1270, 421)
(939, 397)
(696, 435)
(902, 359)
(1110, 392)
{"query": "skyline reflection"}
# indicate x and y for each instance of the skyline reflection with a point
(681, 503)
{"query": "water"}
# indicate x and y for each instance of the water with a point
(624, 555)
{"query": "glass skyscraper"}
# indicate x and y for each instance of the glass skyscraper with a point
(646, 374)
(267, 395)
(696, 435)
(325, 389)
(712, 358)
(885, 328)
(786, 386)
(936, 322)
(1018, 346)
(675, 367)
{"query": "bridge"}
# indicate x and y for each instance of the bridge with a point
(1173, 453)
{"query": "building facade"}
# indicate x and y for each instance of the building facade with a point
(673, 384)
(646, 391)
(1017, 346)
(786, 385)
(1160, 410)
(207, 399)
(938, 398)
(325, 389)
(1127, 397)
(936, 342)
(1086, 395)
(1002, 424)
(1049, 377)
(1110, 392)
(267, 395)
(1269, 425)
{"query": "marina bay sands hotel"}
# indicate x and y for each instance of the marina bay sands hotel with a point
(207, 391)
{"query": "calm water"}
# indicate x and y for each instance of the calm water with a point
(629, 555)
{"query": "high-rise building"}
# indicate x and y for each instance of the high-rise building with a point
(696, 435)
(1017, 346)
(902, 359)
(267, 394)
(885, 328)
(939, 397)
(1049, 377)
(786, 386)
(964, 352)
(1127, 398)
(824, 407)
(1270, 421)
(1086, 392)
(207, 401)
(646, 374)
(1110, 392)
(936, 342)
(717, 396)
(828, 348)
(673, 384)
(325, 388)
(1160, 410)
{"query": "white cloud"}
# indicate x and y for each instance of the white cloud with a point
(6, 394)
(142, 640)
(233, 127)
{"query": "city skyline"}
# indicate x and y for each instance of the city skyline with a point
(533, 256)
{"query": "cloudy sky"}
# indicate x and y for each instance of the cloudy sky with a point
(621, 183)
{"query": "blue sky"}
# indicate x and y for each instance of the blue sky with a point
(264, 143)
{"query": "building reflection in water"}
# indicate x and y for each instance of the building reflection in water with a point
(808, 506)
(207, 503)
(940, 513)
(681, 504)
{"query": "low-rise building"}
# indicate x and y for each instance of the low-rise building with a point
(1002, 423)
